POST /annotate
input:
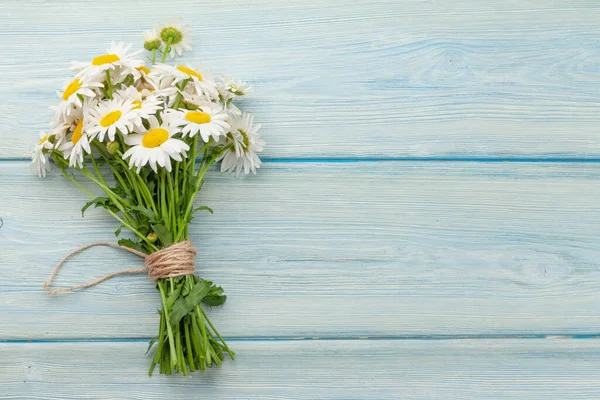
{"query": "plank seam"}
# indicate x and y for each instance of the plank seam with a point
(330, 338)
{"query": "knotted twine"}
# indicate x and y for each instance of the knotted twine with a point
(176, 260)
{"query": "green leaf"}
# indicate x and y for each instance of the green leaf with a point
(148, 213)
(164, 235)
(214, 301)
(207, 208)
(151, 186)
(97, 202)
(174, 296)
(130, 243)
(191, 183)
(183, 305)
(118, 231)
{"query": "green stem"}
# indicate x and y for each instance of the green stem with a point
(172, 205)
(199, 179)
(181, 86)
(163, 199)
(159, 344)
(153, 56)
(203, 331)
(163, 296)
(190, 352)
(109, 84)
(79, 185)
(231, 353)
(167, 48)
(125, 223)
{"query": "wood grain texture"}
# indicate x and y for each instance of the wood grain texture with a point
(456, 369)
(329, 250)
(466, 78)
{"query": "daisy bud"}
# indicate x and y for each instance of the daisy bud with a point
(152, 237)
(152, 45)
(112, 147)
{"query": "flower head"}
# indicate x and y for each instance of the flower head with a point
(208, 120)
(152, 40)
(145, 103)
(76, 145)
(246, 143)
(71, 95)
(155, 145)
(117, 57)
(177, 35)
(40, 164)
(199, 79)
(104, 118)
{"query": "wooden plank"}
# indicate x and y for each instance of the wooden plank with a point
(394, 78)
(382, 369)
(329, 250)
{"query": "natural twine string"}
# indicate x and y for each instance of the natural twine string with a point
(176, 260)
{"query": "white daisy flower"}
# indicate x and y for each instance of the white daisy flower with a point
(62, 124)
(177, 35)
(70, 95)
(151, 40)
(246, 143)
(77, 145)
(106, 117)
(40, 164)
(208, 121)
(202, 80)
(142, 78)
(144, 103)
(230, 88)
(155, 146)
(117, 56)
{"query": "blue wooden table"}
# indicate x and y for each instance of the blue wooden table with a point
(425, 225)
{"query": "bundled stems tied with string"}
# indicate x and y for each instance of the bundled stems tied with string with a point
(145, 137)
(187, 338)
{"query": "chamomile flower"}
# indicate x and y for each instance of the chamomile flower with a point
(155, 146)
(70, 95)
(144, 104)
(151, 40)
(106, 117)
(117, 56)
(62, 124)
(140, 75)
(230, 88)
(177, 35)
(201, 80)
(246, 143)
(40, 164)
(208, 121)
(76, 146)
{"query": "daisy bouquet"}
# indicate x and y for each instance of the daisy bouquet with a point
(145, 136)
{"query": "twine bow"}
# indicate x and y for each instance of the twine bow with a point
(176, 260)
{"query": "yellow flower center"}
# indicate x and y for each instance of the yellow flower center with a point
(43, 139)
(144, 69)
(136, 104)
(197, 117)
(190, 72)
(105, 59)
(155, 137)
(110, 118)
(71, 88)
(78, 132)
